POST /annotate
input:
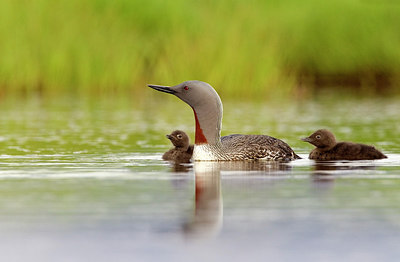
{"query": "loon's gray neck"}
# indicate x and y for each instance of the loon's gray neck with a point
(208, 116)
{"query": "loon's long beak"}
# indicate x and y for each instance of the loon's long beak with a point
(165, 89)
(306, 139)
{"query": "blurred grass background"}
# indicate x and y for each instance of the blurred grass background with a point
(244, 48)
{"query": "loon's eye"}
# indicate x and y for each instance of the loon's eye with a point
(186, 88)
(179, 136)
(318, 137)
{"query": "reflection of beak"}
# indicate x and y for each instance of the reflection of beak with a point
(306, 139)
(169, 137)
(165, 89)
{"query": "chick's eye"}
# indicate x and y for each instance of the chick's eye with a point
(179, 136)
(186, 88)
(318, 137)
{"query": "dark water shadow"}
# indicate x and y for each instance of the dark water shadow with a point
(325, 172)
(178, 167)
(259, 167)
(340, 167)
(239, 167)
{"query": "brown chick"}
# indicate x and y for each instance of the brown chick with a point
(328, 149)
(183, 151)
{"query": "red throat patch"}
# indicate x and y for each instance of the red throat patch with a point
(199, 136)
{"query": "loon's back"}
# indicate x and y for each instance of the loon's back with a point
(253, 147)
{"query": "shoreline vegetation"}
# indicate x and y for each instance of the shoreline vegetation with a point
(243, 48)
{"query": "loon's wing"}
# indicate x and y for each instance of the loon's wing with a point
(249, 147)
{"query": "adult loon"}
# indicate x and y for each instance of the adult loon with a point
(209, 146)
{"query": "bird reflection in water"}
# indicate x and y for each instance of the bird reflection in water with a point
(178, 167)
(208, 209)
(322, 176)
(325, 172)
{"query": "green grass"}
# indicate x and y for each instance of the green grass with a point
(244, 48)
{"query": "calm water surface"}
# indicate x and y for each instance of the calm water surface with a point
(82, 180)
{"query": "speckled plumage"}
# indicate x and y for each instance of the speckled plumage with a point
(183, 151)
(252, 147)
(328, 149)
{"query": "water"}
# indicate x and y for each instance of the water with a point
(83, 179)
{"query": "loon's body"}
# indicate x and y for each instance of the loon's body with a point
(328, 149)
(209, 146)
(245, 147)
